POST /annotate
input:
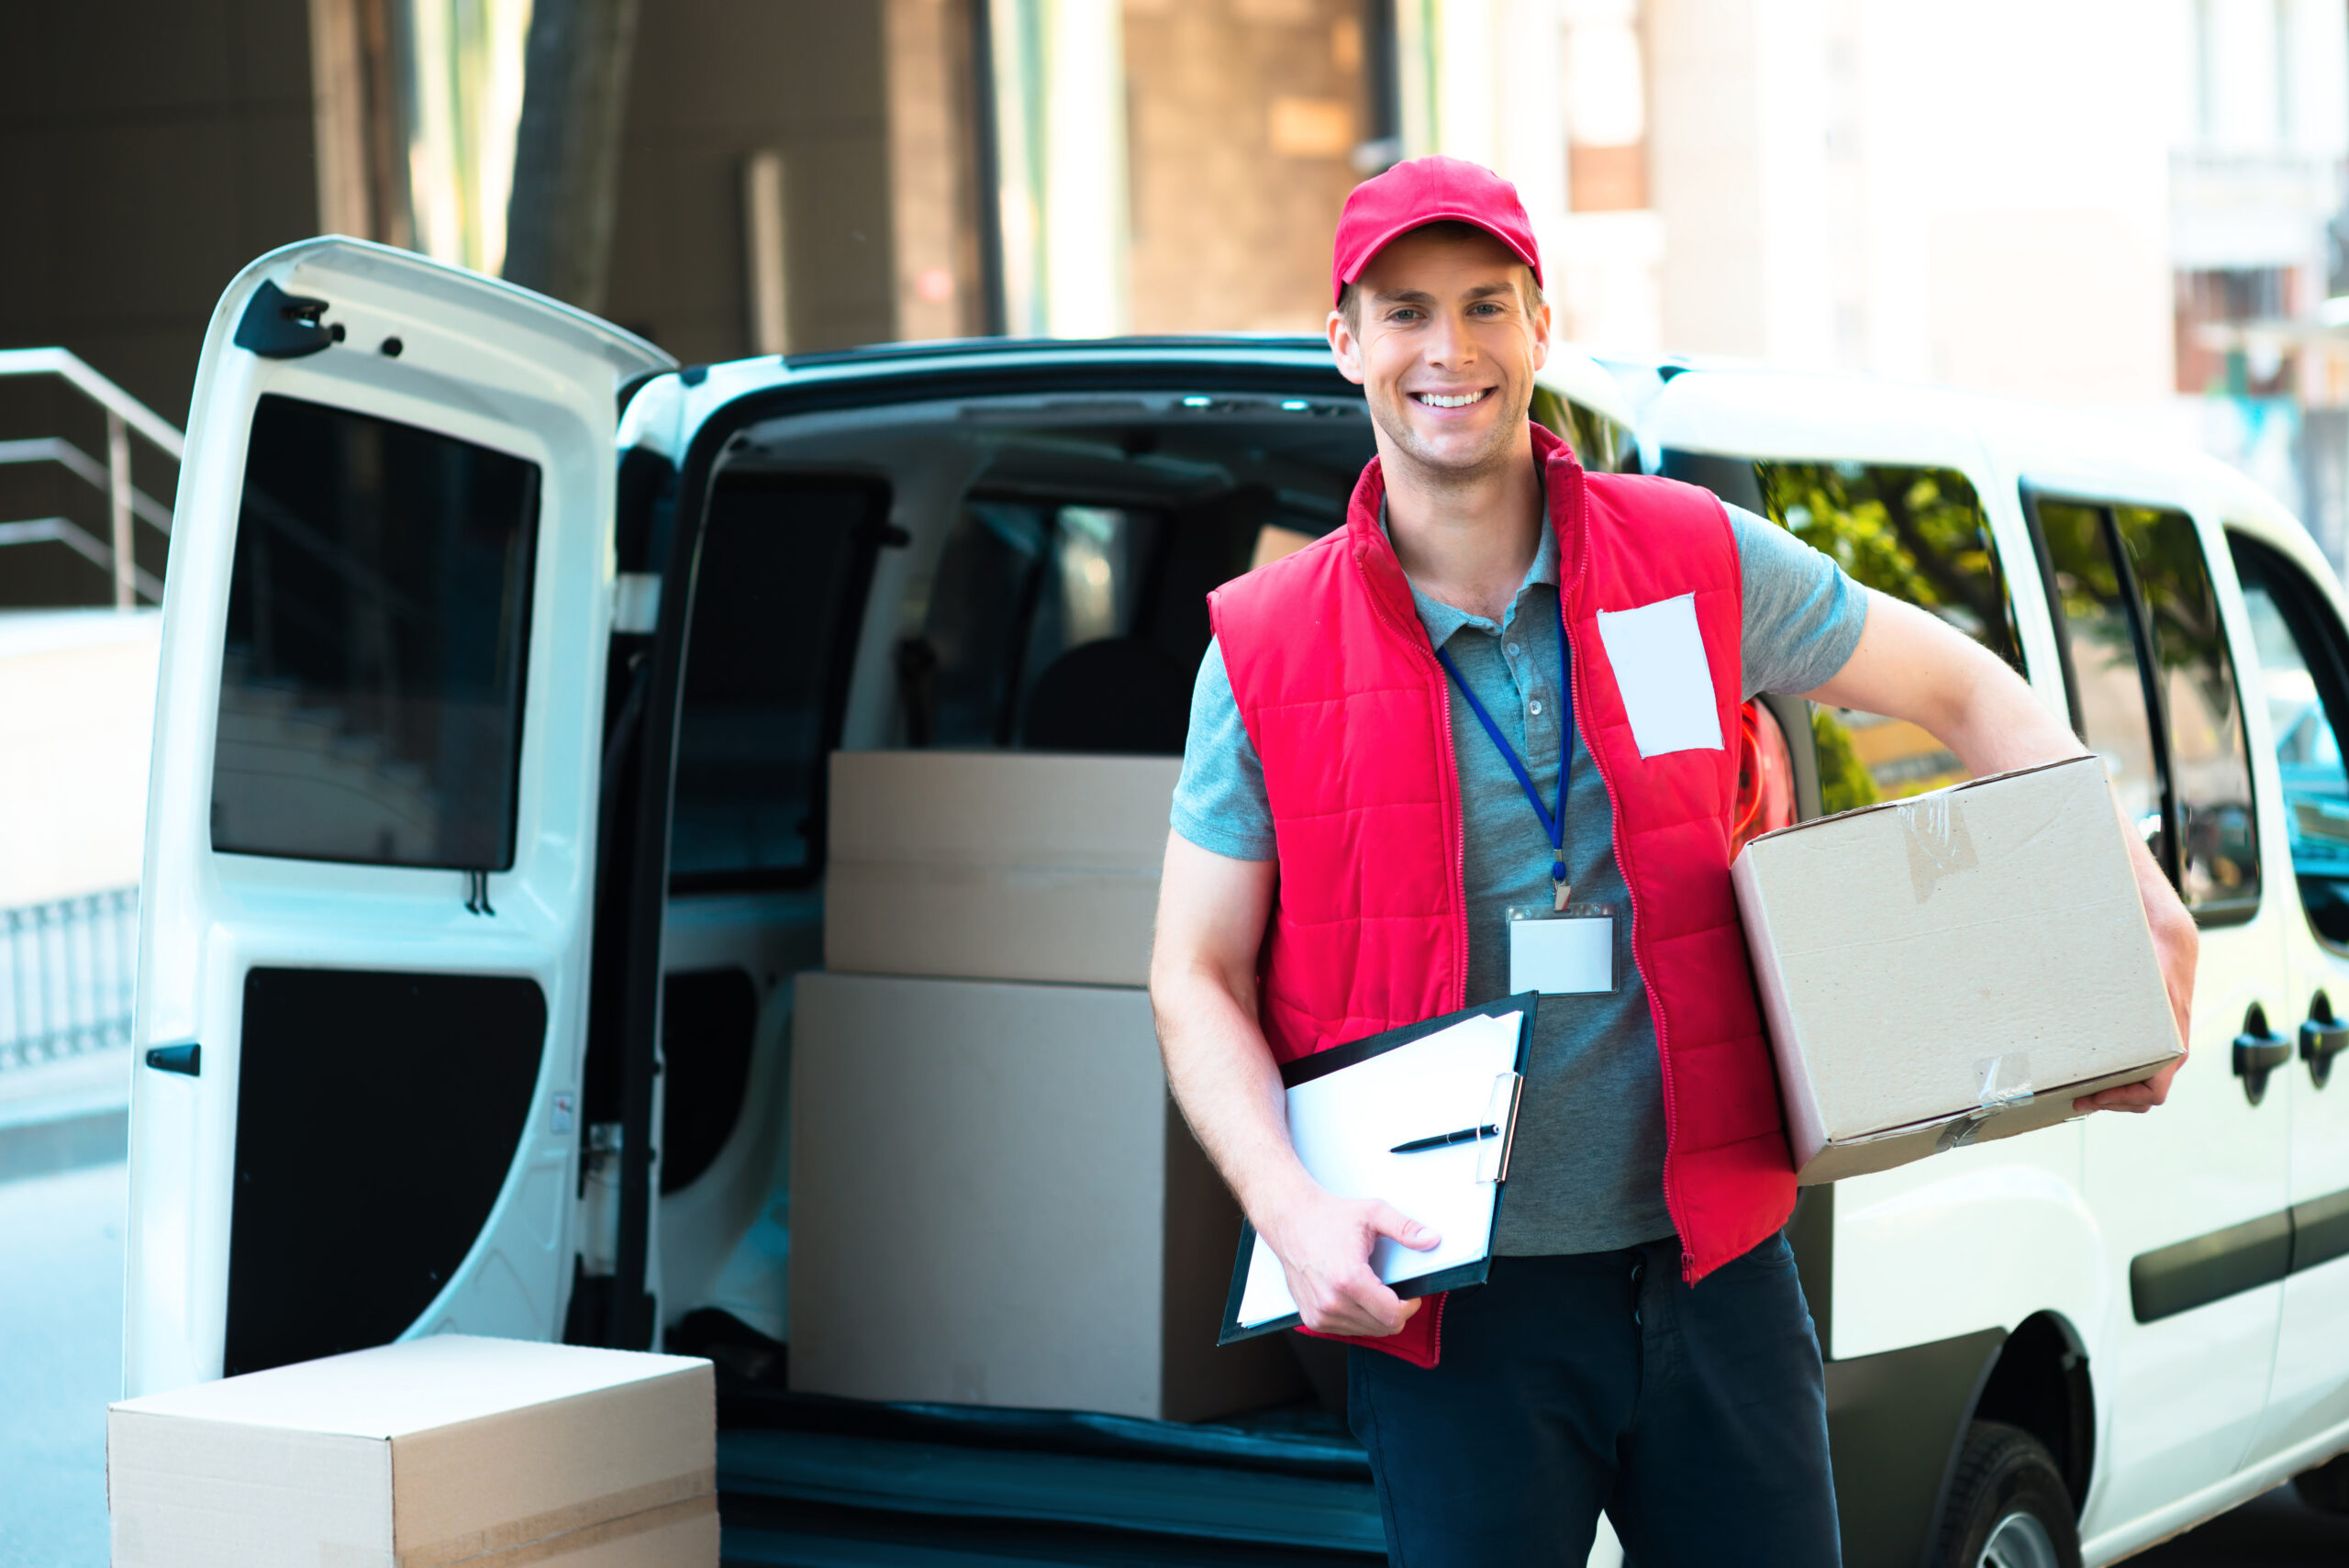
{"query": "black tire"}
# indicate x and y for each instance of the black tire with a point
(2007, 1490)
(2325, 1488)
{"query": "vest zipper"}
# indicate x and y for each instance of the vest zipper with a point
(1459, 990)
(1578, 521)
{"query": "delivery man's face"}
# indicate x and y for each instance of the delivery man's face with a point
(1445, 340)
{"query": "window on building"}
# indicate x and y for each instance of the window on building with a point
(2153, 691)
(778, 596)
(379, 608)
(2233, 331)
(1605, 98)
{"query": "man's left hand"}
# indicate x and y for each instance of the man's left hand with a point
(2176, 946)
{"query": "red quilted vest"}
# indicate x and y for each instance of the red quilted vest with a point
(1351, 715)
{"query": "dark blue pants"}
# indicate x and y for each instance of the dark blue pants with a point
(1696, 1417)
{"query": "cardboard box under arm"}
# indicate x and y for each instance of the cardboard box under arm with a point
(995, 865)
(1950, 968)
(424, 1454)
(995, 1203)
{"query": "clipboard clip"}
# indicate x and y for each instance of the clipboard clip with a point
(1492, 1153)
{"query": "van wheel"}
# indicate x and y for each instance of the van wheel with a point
(2325, 1488)
(2008, 1507)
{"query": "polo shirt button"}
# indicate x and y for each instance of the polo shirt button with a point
(1512, 650)
(1534, 706)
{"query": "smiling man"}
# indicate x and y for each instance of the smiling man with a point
(1372, 791)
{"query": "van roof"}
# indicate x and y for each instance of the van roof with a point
(1702, 404)
(1756, 411)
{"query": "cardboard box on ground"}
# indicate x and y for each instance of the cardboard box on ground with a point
(1952, 968)
(993, 1200)
(432, 1451)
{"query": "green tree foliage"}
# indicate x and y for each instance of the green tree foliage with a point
(1843, 784)
(1915, 533)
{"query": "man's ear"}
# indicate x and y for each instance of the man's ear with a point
(1344, 347)
(1541, 335)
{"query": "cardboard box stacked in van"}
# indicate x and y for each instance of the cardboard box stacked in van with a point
(993, 1200)
(1950, 968)
(438, 1450)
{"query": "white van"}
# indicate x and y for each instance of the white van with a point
(504, 663)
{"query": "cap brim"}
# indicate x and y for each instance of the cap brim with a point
(1420, 220)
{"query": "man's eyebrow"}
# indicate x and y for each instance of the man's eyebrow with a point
(1422, 297)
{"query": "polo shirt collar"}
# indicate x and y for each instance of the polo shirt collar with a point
(1442, 619)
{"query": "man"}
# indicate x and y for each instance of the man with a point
(1376, 746)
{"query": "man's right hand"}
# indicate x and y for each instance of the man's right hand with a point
(1323, 1242)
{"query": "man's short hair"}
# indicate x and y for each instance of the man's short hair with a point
(1349, 299)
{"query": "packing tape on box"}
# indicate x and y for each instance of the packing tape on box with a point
(2006, 1083)
(611, 1516)
(1933, 827)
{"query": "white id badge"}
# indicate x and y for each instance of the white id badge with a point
(1562, 953)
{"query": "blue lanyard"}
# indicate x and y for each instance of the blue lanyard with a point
(1554, 827)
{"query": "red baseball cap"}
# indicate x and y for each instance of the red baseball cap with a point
(1424, 191)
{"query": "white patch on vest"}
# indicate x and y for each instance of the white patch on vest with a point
(1658, 656)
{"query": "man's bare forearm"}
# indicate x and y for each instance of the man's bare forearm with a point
(1212, 914)
(1224, 1078)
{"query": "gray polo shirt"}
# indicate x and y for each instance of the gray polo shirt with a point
(1587, 1172)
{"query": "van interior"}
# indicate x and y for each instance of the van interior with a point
(990, 574)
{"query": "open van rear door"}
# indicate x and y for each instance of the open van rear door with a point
(366, 908)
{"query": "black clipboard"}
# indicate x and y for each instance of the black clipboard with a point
(1337, 1059)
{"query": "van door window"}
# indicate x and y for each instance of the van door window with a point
(371, 691)
(1918, 534)
(778, 598)
(2153, 690)
(2304, 681)
(2210, 761)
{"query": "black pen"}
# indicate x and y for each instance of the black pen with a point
(1445, 1140)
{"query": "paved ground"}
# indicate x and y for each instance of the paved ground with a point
(61, 1362)
(60, 1335)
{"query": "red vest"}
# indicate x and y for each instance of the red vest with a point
(1351, 714)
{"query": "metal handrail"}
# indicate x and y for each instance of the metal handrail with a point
(70, 974)
(125, 502)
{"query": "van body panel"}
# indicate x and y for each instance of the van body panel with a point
(1981, 1237)
(408, 357)
(2309, 1397)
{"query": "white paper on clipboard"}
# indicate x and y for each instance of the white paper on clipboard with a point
(1344, 1124)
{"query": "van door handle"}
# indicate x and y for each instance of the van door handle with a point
(2323, 1037)
(187, 1058)
(2258, 1053)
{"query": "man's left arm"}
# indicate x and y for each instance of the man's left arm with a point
(1909, 665)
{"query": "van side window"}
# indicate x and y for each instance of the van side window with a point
(2201, 710)
(379, 607)
(2153, 690)
(2304, 680)
(1917, 534)
(778, 596)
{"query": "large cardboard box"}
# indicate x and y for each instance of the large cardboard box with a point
(1950, 968)
(993, 1202)
(450, 1449)
(995, 865)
